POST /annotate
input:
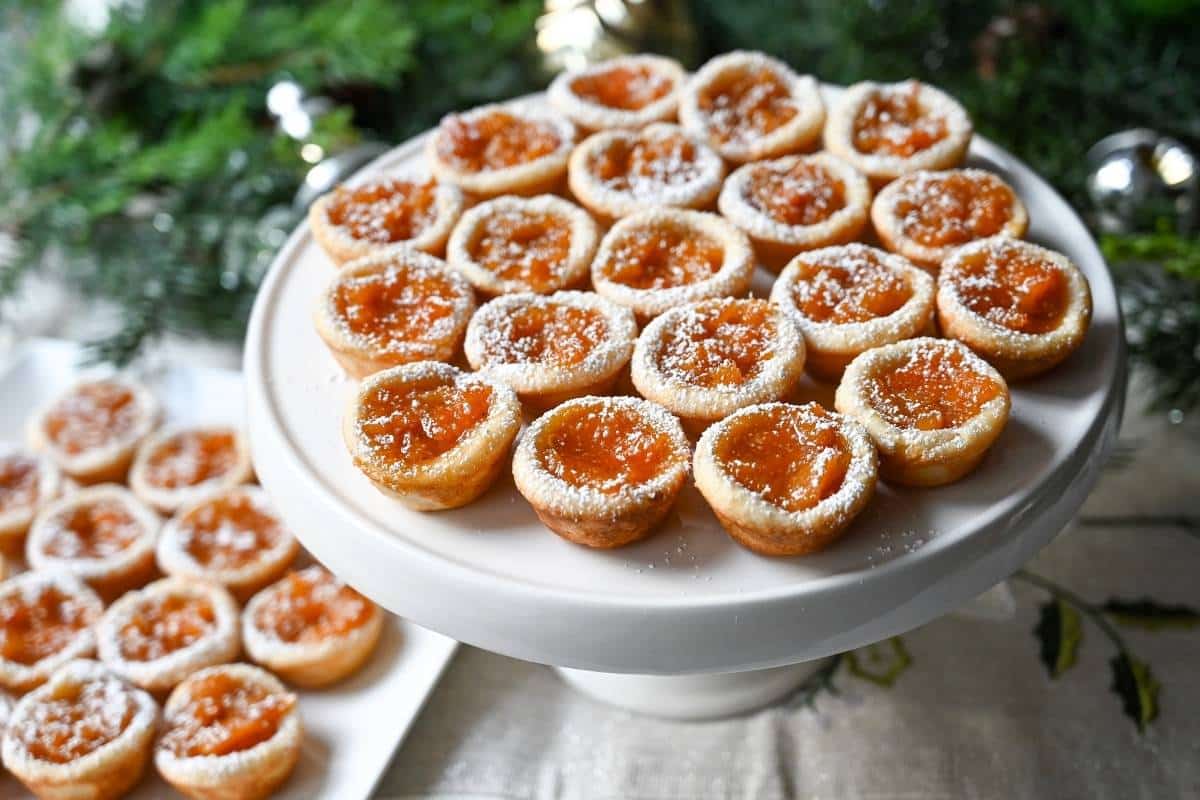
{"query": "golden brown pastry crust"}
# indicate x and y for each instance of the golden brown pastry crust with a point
(591, 115)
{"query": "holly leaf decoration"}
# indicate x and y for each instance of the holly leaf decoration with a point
(881, 663)
(1137, 687)
(1059, 631)
(1146, 613)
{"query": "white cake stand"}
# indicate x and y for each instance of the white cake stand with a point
(696, 625)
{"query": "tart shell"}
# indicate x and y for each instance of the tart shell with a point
(591, 116)
(17, 677)
(166, 500)
(15, 522)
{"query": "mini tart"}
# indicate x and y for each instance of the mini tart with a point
(430, 435)
(658, 259)
(890, 129)
(157, 636)
(750, 106)
(92, 430)
(231, 732)
(494, 150)
(102, 535)
(850, 298)
(705, 360)
(46, 619)
(233, 538)
(28, 481)
(796, 203)
(625, 92)
(618, 173)
(1022, 307)
(353, 222)
(310, 628)
(785, 480)
(393, 308)
(551, 348)
(924, 215)
(84, 734)
(177, 465)
(602, 471)
(516, 244)
(932, 407)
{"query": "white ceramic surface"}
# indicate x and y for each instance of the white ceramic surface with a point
(351, 729)
(687, 600)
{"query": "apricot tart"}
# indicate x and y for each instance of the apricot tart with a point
(495, 150)
(1022, 307)
(850, 298)
(157, 636)
(353, 222)
(924, 215)
(92, 430)
(705, 360)
(516, 244)
(785, 480)
(178, 465)
(932, 407)
(230, 731)
(310, 628)
(46, 619)
(625, 92)
(103, 535)
(431, 435)
(750, 106)
(617, 173)
(796, 203)
(602, 471)
(658, 259)
(84, 734)
(889, 129)
(233, 538)
(551, 348)
(391, 309)
(28, 481)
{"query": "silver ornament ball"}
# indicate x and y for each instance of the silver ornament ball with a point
(1137, 175)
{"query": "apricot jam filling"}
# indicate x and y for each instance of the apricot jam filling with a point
(932, 389)
(224, 715)
(803, 194)
(626, 87)
(78, 719)
(719, 344)
(746, 105)
(396, 307)
(605, 446)
(494, 140)
(646, 162)
(190, 458)
(664, 257)
(92, 530)
(792, 456)
(1012, 288)
(858, 288)
(894, 123)
(385, 211)
(523, 246)
(311, 605)
(91, 416)
(228, 531)
(163, 624)
(554, 334)
(36, 623)
(18, 481)
(952, 209)
(413, 423)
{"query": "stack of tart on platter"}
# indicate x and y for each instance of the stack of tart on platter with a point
(154, 564)
(570, 282)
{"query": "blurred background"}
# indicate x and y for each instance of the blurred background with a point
(154, 155)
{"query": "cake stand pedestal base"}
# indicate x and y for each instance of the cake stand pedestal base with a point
(691, 697)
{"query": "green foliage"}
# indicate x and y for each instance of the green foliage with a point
(139, 160)
(1059, 632)
(1137, 687)
(1151, 615)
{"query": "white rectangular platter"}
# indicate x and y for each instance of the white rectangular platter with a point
(351, 729)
